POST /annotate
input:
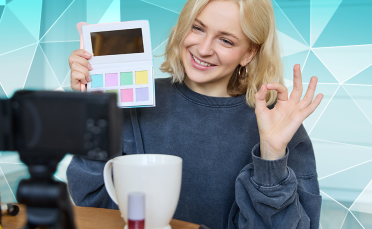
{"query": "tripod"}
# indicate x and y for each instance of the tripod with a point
(47, 200)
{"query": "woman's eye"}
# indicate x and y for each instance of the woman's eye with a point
(197, 28)
(227, 42)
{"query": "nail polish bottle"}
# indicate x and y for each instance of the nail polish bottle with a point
(136, 210)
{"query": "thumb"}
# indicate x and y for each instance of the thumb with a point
(82, 87)
(260, 99)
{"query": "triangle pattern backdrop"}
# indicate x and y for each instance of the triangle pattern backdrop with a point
(330, 39)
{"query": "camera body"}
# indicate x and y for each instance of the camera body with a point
(50, 123)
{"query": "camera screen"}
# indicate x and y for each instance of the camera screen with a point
(50, 123)
(116, 42)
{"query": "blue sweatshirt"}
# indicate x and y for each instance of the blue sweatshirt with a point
(225, 183)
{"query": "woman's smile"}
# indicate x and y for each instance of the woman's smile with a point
(200, 64)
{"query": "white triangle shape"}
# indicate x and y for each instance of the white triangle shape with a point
(345, 62)
(288, 45)
(29, 13)
(112, 14)
(320, 14)
(59, 89)
(364, 201)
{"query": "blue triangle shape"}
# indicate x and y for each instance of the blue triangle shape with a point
(65, 28)
(364, 77)
(51, 11)
(290, 61)
(328, 90)
(2, 93)
(298, 12)
(13, 33)
(344, 122)
(96, 9)
(1, 11)
(351, 222)
(161, 20)
(343, 186)
(331, 207)
(172, 5)
(364, 218)
(59, 62)
(362, 95)
(314, 67)
(40, 76)
(350, 25)
(14, 68)
(13, 174)
(285, 26)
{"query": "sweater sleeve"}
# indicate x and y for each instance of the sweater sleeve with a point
(86, 185)
(269, 195)
(85, 177)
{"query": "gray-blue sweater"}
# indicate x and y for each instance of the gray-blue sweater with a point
(225, 183)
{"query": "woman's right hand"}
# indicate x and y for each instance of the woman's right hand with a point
(80, 68)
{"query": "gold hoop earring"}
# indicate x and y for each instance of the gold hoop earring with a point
(246, 72)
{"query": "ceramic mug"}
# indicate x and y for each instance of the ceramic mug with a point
(158, 176)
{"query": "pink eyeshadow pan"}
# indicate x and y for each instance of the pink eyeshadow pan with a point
(111, 79)
(126, 95)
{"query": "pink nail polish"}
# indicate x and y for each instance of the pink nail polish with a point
(87, 54)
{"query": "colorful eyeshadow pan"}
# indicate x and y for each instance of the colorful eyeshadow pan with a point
(126, 95)
(126, 78)
(141, 77)
(97, 80)
(111, 79)
(113, 91)
(142, 94)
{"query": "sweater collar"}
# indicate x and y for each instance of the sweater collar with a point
(210, 101)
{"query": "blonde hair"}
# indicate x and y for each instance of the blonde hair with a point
(258, 24)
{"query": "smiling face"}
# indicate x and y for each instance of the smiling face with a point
(215, 46)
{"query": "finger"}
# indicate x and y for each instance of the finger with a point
(311, 108)
(77, 78)
(309, 93)
(297, 84)
(281, 89)
(83, 87)
(82, 53)
(82, 61)
(79, 68)
(260, 99)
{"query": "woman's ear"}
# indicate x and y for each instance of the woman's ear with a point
(249, 55)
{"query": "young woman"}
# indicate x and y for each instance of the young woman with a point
(247, 160)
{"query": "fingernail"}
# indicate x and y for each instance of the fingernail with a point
(89, 67)
(89, 78)
(87, 54)
(270, 84)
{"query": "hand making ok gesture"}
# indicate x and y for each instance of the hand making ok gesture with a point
(278, 125)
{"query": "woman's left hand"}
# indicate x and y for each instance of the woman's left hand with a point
(278, 125)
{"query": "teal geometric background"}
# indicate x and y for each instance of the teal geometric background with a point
(330, 39)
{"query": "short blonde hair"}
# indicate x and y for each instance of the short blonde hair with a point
(258, 24)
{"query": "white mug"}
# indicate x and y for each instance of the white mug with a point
(158, 176)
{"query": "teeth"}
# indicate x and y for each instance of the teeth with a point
(201, 62)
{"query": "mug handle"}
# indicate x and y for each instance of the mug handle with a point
(107, 177)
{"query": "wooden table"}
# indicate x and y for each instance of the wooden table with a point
(89, 218)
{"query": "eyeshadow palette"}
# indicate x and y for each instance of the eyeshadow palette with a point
(122, 61)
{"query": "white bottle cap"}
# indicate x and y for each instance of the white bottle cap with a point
(136, 206)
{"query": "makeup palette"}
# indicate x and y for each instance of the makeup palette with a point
(122, 61)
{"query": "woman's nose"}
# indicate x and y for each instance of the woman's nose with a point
(205, 47)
